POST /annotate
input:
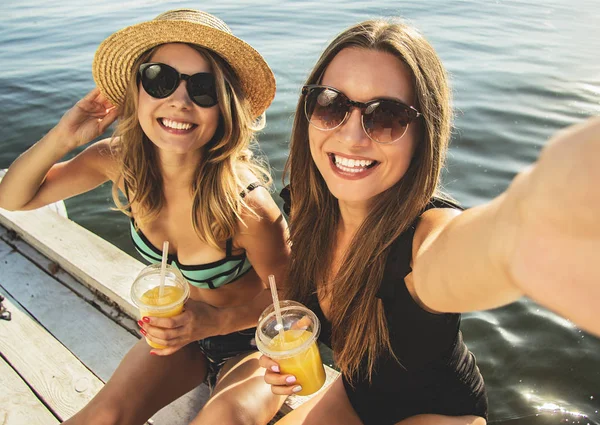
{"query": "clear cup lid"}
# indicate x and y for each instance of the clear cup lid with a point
(300, 324)
(149, 278)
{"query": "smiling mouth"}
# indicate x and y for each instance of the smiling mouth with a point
(352, 165)
(176, 125)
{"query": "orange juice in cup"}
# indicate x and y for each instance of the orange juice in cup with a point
(295, 348)
(146, 293)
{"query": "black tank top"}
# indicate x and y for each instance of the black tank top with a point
(437, 374)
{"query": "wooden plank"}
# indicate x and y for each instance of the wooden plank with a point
(93, 261)
(92, 337)
(57, 376)
(51, 268)
(18, 404)
(81, 327)
(85, 256)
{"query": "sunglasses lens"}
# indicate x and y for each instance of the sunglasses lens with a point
(202, 90)
(386, 121)
(325, 108)
(159, 80)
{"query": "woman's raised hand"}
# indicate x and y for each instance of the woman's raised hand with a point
(198, 321)
(87, 119)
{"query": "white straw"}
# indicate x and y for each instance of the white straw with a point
(163, 268)
(276, 307)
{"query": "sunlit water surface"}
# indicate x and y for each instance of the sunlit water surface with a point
(520, 71)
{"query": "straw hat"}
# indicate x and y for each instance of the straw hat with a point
(114, 58)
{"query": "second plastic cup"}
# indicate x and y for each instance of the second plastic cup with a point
(298, 353)
(145, 293)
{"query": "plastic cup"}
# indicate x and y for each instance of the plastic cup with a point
(298, 353)
(145, 293)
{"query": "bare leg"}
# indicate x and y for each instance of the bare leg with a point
(443, 420)
(329, 407)
(142, 385)
(241, 395)
(333, 407)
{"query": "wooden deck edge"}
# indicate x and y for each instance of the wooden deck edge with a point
(60, 379)
(94, 262)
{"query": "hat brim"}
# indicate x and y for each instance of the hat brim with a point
(116, 55)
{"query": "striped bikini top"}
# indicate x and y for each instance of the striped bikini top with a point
(207, 276)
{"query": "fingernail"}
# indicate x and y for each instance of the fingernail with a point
(140, 323)
(146, 319)
(297, 389)
(290, 380)
(275, 368)
(153, 353)
(143, 332)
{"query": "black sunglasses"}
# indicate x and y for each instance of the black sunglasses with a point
(384, 120)
(160, 81)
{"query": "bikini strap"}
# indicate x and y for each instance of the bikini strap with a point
(249, 189)
(126, 189)
(229, 247)
(127, 194)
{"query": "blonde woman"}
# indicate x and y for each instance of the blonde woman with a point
(395, 264)
(188, 95)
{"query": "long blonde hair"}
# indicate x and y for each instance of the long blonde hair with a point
(360, 330)
(217, 204)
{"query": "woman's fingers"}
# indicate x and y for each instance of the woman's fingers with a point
(268, 363)
(110, 117)
(281, 384)
(165, 351)
(167, 336)
(304, 323)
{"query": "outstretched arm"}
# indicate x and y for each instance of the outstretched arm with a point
(35, 179)
(541, 238)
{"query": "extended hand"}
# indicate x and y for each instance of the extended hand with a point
(88, 119)
(198, 321)
(556, 247)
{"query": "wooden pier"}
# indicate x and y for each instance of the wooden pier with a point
(72, 321)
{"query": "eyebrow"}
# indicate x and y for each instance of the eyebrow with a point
(395, 99)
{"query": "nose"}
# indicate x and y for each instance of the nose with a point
(180, 97)
(351, 131)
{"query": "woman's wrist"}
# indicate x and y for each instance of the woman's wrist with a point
(61, 141)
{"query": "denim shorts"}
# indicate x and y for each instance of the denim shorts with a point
(220, 348)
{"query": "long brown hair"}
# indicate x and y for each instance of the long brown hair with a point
(217, 204)
(360, 330)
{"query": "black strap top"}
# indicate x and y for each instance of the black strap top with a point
(435, 374)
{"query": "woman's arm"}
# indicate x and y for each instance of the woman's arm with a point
(541, 238)
(34, 179)
(265, 239)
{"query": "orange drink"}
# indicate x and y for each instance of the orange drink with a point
(306, 366)
(145, 294)
(295, 347)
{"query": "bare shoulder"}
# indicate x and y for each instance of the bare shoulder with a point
(256, 196)
(261, 210)
(430, 224)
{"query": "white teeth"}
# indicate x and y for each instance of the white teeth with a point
(351, 165)
(176, 125)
